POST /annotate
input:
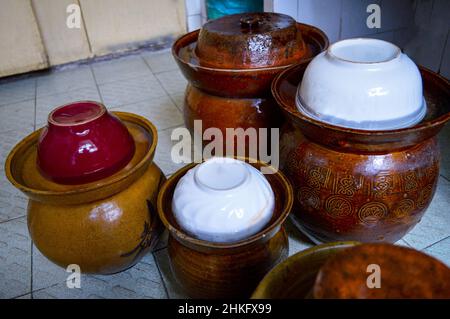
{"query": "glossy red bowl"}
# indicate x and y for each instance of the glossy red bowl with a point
(82, 143)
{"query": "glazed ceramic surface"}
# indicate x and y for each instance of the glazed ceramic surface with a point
(234, 82)
(223, 200)
(251, 40)
(83, 142)
(294, 278)
(364, 84)
(240, 113)
(404, 273)
(208, 269)
(360, 185)
(231, 88)
(104, 226)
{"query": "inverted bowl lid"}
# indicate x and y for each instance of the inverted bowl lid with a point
(251, 40)
(21, 170)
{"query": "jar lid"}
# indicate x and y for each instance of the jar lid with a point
(250, 40)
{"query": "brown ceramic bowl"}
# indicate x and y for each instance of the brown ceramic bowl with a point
(294, 278)
(104, 226)
(235, 82)
(403, 273)
(225, 270)
(349, 184)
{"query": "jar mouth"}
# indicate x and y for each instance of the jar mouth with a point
(364, 51)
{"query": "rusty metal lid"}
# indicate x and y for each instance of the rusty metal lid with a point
(250, 40)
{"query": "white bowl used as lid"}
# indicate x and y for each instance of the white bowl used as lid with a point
(223, 200)
(366, 84)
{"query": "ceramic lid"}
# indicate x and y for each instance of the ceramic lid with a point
(250, 40)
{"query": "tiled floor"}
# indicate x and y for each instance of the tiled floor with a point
(151, 85)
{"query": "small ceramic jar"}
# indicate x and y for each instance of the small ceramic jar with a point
(105, 226)
(210, 269)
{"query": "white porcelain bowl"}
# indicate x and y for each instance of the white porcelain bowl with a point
(366, 84)
(223, 200)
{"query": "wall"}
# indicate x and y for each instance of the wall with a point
(117, 25)
(62, 44)
(21, 47)
(419, 27)
(429, 43)
(34, 34)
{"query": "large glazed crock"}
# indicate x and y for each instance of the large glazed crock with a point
(225, 270)
(360, 185)
(105, 226)
(239, 78)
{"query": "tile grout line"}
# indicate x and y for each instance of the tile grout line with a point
(31, 241)
(437, 242)
(96, 83)
(160, 83)
(161, 276)
(12, 219)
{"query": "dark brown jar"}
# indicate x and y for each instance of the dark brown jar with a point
(350, 184)
(233, 60)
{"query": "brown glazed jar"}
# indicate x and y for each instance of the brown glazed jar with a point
(105, 226)
(349, 184)
(233, 61)
(206, 269)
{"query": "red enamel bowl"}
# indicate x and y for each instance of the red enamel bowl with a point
(82, 143)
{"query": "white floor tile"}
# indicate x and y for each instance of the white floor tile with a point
(65, 80)
(441, 251)
(172, 81)
(140, 281)
(161, 111)
(129, 91)
(13, 203)
(160, 61)
(15, 259)
(435, 224)
(18, 90)
(163, 153)
(120, 69)
(17, 116)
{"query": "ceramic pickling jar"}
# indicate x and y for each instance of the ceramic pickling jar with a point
(104, 226)
(354, 184)
(208, 268)
(230, 63)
